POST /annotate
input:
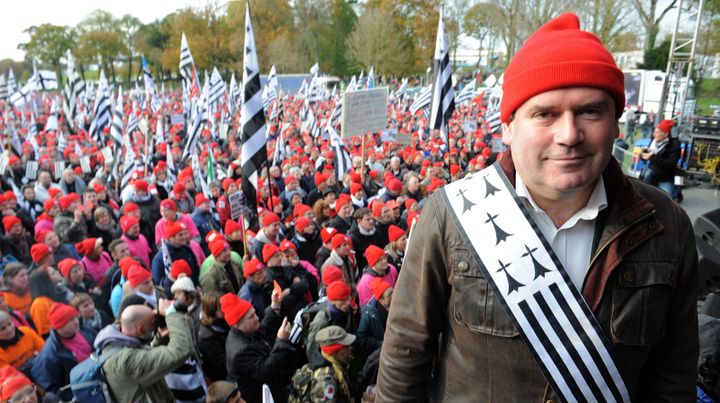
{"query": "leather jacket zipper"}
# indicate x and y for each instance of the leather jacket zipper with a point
(615, 236)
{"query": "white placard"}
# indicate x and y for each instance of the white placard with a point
(107, 154)
(59, 168)
(235, 205)
(85, 164)
(31, 169)
(364, 112)
(403, 139)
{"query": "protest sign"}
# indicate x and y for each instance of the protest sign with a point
(364, 112)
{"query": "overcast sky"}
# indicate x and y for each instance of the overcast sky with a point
(21, 14)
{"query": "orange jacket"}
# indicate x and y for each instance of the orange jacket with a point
(26, 346)
(39, 312)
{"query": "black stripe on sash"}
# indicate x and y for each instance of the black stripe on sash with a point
(565, 340)
(551, 351)
(590, 346)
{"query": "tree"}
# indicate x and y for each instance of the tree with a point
(48, 43)
(129, 27)
(454, 14)
(480, 22)
(149, 41)
(656, 58)
(608, 19)
(647, 9)
(373, 42)
(284, 53)
(101, 40)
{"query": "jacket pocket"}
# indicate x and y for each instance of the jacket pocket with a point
(640, 301)
(474, 304)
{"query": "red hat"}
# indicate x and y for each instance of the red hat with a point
(66, 265)
(269, 250)
(218, 246)
(395, 185)
(377, 208)
(39, 251)
(53, 192)
(251, 267)
(67, 200)
(327, 233)
(395, 232)
(130, 207)
(302, 223)
(178, 188)
(331, 274)
(137, 275)
(87, 245)
(125, 264)
(355, 177)
(98, 188)
(141, 185)
(338, 240)
(269, 219)
(378, 286)
(10, 221)
(200, 198)
(373, 254)
(41, 234)
(300, 209)
(234, 308)
(342, 200)
(61, 314)
(232, 226)
(226, 183)
(12, 383)
(173, 228)
(454, 169)
(409, 203)
(666, 125)
(126, 222)
(179, 267)
(338, 291)
(289, 179)
(560, 55)
(168, 205)
(49, 204)
(286, 245)
(355, 187)
(320, 178)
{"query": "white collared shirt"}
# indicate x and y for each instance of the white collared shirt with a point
(572, 243)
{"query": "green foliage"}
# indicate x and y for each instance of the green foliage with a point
(371, 44)
(656, 58)
(48, 43)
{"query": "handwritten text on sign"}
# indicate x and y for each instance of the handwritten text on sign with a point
(364, 111)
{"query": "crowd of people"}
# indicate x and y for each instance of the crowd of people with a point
(180, 296)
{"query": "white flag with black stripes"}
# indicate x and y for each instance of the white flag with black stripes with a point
(443, 96)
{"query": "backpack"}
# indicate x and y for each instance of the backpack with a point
(301, 385)
(87, 379)
(301, 324)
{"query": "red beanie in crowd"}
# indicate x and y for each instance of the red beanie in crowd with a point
(126, 222)
(137, 275)
(269, 219)
(287, 244)
(178, 267)
(232, 226)
(251, 267)
(173, 228)
(378, 286)
(337, 240)
(338, 291)
(67, 200)
(395, 185)
(560, 55)
(61, 314)
(200, 198)
(141, 185)
(666, 125)
(87, 245)
(373, 254)
(10, 221)
(218, 246)
(395, 232)
(342, 200)
(327, 233)
(66, 265)
(125, 264)
(130, 207)
(234, 308)
(39, 251)
(168, 205)
(302, 223)
(269, 250)
(331, 274)
(355, 187)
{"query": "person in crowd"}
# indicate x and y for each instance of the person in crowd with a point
(103, 225)
(292, 280)
(44, 295)
(225, 275)
(364, 233)
(373, 318)
(68, 344)
(306, 239)
(174, 247)
(326, 235)
(77, 280)
(256, 288)
(203, 218)
(341, 257)
(332, 380)
(344, 210)
(18, 344)
(395, 249)
(136, 370)
(268, 234)
(339, 310)
(42, 256)
(211, 337)
(71, 223)
(662, 159)
(60, 250)
(17, 295)
(88, 314)
(170, 214)
(15, 242)
(95, 260)
(377, 267)
(136, 242)
(186, 295)
(224, 392)
(148, 206)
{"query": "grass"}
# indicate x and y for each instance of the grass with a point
(709, 95)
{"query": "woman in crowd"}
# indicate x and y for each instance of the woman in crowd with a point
(17, 295)
(43, 295)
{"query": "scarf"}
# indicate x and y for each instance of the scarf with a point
(109, 227)
(657, 147)
(366, 233)
(339, 374)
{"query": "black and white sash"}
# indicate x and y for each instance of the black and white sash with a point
(534, 288)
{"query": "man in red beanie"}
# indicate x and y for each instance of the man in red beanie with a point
(597, 271)
(68, 344)
(341, 256)
(225, 274)
(340, 309)
(135, 241)
(257, 352)
(204, 220)
(662, 156)
(268, 234)
(71, 224)
(15, 242)
(149, 206)
(176, 245)
(306, 239)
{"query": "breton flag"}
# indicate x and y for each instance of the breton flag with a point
(270, 90)
(279, 154)
(199, 119)
(52, 121)
(343, 162)
(422, 101)
(467, 93)
(492, 114)
(102, 114)
(443, 99)
(233, 95)
(45, 80)
(134, 119)
(187, 64)
(218, 88)
(402, 88)
(11, 83)
(3, 88)
(252, 121)
(23, 95)
(74, 90)
(116, 129)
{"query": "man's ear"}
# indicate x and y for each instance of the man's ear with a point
(507, 129)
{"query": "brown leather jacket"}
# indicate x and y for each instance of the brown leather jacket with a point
(448, 338)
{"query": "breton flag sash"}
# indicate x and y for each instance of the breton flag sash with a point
(534, 288)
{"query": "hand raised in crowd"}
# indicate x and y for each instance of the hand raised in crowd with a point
(78, 214)
(275, 300)
(164, 305)
(284, 331)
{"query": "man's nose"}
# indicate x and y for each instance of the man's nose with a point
(567, 131)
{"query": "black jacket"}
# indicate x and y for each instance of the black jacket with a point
(211, 344)
(361, 242)
(663, 163)
(308, 246)
(260, 358)
(372, 326)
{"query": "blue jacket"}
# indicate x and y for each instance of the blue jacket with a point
(257, 295)
(205, 222)
(51, 368)
(158, 266)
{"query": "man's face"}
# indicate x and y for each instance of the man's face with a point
(168, 214)
(386, 215)
(367, 222)
(250, 323)
(68, 330)
(87, 309)
(561, 140)
(342, 305)
(69, 176)
(259, 277)
(343, 250)
(272, 230)
(275, 260)
(45, 179)
(146, 287)
(660, 135)
(76, 274)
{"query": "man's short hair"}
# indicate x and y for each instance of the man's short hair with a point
(361, 212)
(114, 244)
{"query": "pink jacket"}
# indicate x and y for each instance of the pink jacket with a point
(139, 248)
(183, 218)
(97, 268)
(363, 286)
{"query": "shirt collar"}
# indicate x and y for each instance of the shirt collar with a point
(596, 203)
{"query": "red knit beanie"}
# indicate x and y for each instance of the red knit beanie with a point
(269, 219)
(218, 246)
(560, 55)
(302, 223)
(39, 251)
(287, 245)
(395, 233)
(666, 125)
(269, 250)
(251, 267)
(137, 275)
(331, 274)
(127, 222)
(234, 308)
(338, 291)
(173, 228)
(231, 226)
(338, 240)
(327, 233)
(179, 267)
(373, 254)
(61, 314)
(378, 286)
(10, 221)
(66, 265)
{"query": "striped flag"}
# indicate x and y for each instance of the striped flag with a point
(11, 83)
(199, 119)
(492, 114)
(74, 91)
(402, 88)
(270, 90)
(116, 128)
(217, 89)
(233, 96)
(343, 162)
(102, 114)
(3, 88)
(443, 100)
(133, 119)
(187, 64)
(45, 80)
(279, 154)
(467, 93)
(24, 94)
(422, 101)
(371, 77)
(252, 121)
(51, 125)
